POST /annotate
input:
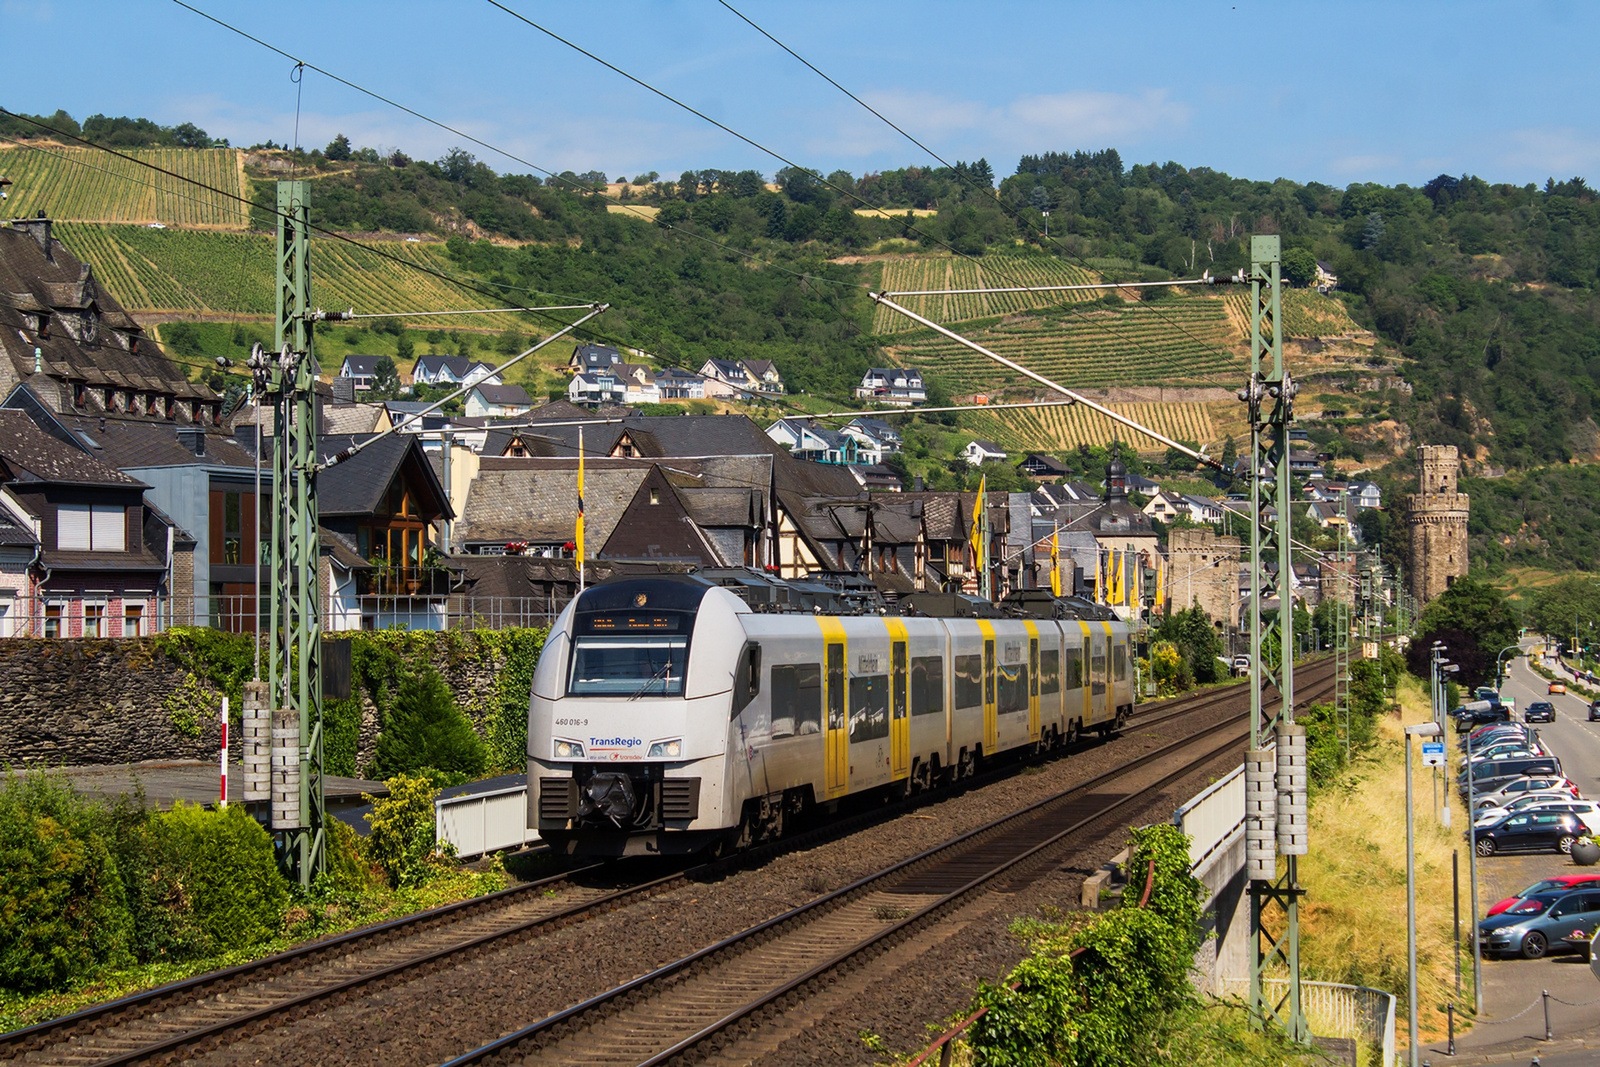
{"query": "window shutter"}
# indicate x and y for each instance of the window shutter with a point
(110, 529)
(72, 527)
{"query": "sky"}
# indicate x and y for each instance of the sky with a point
(1331, 92)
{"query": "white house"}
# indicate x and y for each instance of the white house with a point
(639, 383)
(980, 452)
(871, 444)
(1366, 494)
(677, 384)
(592, 390)
(806, 440)
(727, 377)
(362, 370)
(452, 371)
(497, 401)
(899, 386)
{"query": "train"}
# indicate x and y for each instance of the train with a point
(671, 714)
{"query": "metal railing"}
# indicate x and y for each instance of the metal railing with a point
(479, 823)
(117, 614)
(1356, 1012)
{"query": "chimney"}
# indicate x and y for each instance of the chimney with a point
(193, 438)
(916, 484)
(39, 229)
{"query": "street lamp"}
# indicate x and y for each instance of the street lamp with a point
(1499, 672)
(1421, 729)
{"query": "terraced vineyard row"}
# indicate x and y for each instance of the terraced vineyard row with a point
(1306, 313)
(993, 272)
(1056, 429)
(178, 271)
(82, 185)
(1185, 341)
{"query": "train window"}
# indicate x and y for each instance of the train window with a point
(1098, 661)
(746, 678)
(1119, 663)
(1072, 669)
(927, 685)
(836, 687)
(1049, 671)
(635, 665)
(1013, 686)
(796, 699)
(988, 672)
(969, 681)
(869, 707)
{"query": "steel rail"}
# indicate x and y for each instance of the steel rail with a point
(135, 1007)
(567, 1019)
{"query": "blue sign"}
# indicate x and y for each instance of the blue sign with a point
(1433, 753)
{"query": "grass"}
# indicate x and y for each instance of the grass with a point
(1353, 918)
(1212, 1034)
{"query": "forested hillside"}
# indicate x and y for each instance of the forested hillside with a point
(1482, 296)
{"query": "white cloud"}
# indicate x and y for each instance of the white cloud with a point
(1033, 122)
(1558, 152)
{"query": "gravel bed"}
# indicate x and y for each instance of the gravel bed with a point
(443, 1014)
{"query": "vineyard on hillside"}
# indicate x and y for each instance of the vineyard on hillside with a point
(1178, 341)
(1306, 313)
(942, 272)
(83, 185)
(1056, 429)
(199, 272)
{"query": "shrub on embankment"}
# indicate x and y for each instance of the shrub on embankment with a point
(90, 885)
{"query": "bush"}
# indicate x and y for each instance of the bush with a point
(425, 731)
(63, 913)
(402, 836)
(218, 878)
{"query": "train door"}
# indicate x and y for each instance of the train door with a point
(1033, 686)
(991, 724)
(1086, 673)
(1100, 671)
(836, 736)
(899, 703)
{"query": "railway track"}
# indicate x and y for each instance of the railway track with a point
(705, 998)
(210, 1008)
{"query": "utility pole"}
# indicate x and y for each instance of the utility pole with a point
(1272, 800)
(1344, 594)
(295, 666)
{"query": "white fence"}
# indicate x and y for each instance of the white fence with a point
(479, 823)
(1212, 818)
(1333, 1010)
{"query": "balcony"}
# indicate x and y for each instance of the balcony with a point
(403, 581)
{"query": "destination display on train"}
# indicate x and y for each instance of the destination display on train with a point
(632, 623)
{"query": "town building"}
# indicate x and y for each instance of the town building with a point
(452, 371)
(901, 387)
(497, 401)
(979, 452)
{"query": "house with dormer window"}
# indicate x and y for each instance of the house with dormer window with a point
(897, 386)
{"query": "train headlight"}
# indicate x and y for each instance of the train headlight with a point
(569, 749)
(666, 750)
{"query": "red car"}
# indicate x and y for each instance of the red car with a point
(1564, 881)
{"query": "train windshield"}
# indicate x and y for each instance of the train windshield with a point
(632, 665)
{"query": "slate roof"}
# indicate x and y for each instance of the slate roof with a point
(129, 443)
(510, 501)
(33, 281)
(356, 486)
(432, 365)
(14, 527)
(594, 356)
(351, 418)
(361, 366)
(29, 454)
(504, 395)
(988, 446)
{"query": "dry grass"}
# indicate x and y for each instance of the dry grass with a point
(1353, 918)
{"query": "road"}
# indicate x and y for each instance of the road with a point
(1511, 986)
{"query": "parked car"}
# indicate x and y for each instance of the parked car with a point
(1507, 768)
(1510, 749)
(1557, 687)
(1479, 712)
(1513, 788)
(1491, 812)
(1544, 711)
(1545, 885)
(1530, 831)
(1487, 735)
(1485, 692)
(1587, 811)
(1557, 920)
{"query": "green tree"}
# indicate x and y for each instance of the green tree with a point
(1570, 606)
(1475, 621)
(338, 149)
(426, 731)
(1299, 267)
(386, 380)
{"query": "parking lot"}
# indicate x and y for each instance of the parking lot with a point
(1509, 1032)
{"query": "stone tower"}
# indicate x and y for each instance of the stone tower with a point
(1438, 516)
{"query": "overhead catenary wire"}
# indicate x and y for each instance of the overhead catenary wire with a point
(470, 311)
(958, 171)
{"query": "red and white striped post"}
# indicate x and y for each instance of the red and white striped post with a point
(224, 758)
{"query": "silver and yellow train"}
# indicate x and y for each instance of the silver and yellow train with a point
(667, 715)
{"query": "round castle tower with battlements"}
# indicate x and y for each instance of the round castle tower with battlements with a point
(1438, 517)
